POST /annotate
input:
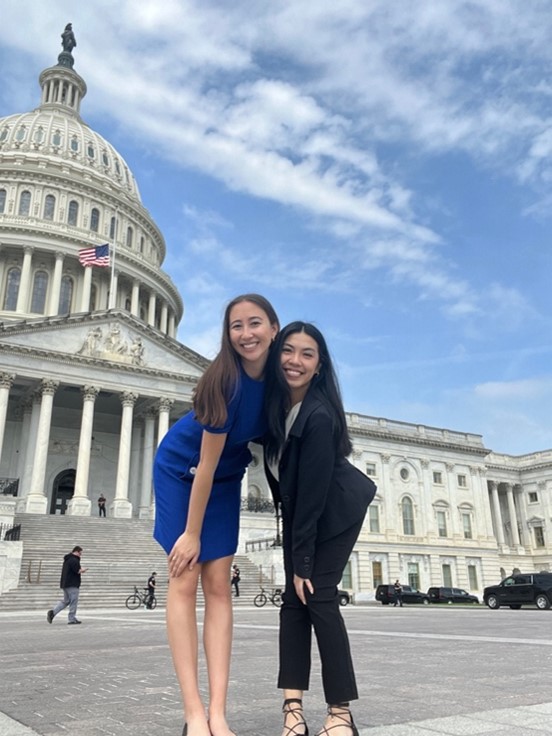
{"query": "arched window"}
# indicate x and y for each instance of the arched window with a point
(95, 219)
(73, 212)
(142, 244)
(407, 509)
(39, 135)
(74, 144)
(49, 206)
(112, 229)
(65, 295)
(127, 304)
(40, 287)
(130, 236)
(2, 201)
(25, 203)
(12, 289)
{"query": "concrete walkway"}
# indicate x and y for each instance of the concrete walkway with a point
(421, 672)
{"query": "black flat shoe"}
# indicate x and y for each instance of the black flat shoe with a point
(185, 730)
(299, 728)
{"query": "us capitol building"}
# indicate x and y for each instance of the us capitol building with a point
(92, 376)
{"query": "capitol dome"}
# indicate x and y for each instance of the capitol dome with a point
(64, 188)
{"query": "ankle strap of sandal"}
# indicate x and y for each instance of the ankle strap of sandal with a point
(289, 701)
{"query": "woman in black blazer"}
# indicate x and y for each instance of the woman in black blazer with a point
(323, 501)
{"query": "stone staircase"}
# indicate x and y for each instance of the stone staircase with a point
(119, 554)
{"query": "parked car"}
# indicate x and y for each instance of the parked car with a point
(344, 597)
(451, 595)
(522, 589)
(386, 594)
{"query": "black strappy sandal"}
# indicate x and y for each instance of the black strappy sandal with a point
(297, 713)
(343, 716)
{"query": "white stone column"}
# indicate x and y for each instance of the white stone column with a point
(151, 308)
(25, 283)
(121, 506)
(86, 288)
(164, 315)
(147, 464)
(512, 513)
(135, 299)
(172, 327)
(164, 410)
(81, 504)
(499, 528)
(26, 409)
(114, 297)
(55, 292)
(28, 452)
(135, 472)
(525, 535)
(36, 501)
(6, 382)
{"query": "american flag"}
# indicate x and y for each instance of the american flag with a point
(98, 256)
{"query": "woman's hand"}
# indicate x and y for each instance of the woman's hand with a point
(299, 585)
(184, 554)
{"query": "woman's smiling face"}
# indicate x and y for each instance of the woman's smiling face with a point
(250, 335)
(300, 361)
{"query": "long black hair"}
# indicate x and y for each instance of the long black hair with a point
(278, 395)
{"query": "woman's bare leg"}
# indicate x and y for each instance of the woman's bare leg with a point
(183, 641)
(217, 639)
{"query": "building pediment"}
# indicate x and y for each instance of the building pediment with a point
(115, 338)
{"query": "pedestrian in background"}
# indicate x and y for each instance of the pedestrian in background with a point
(398, 593)
(151, 589)
(70, 583)
(235, 581)
(101, 505)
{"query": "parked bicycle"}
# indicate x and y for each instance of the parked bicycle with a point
(139, 598)
(262, 598)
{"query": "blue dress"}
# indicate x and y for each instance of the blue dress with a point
(176, 461)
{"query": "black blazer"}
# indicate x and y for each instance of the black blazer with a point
(321, 494)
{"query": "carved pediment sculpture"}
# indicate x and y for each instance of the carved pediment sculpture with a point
(113, 346)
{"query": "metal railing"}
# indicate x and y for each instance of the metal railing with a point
(255, 545)
(9, 486)
(257, 505)
(10, 533)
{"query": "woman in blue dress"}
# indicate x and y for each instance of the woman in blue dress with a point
(198, 471)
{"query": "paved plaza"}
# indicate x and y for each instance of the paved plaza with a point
(422, 671)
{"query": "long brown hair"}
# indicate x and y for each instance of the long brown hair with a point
(218, 384)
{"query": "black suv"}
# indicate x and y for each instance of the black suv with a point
(451, 595)
(386, 594)
(522, 589)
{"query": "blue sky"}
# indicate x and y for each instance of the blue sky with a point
(382, 169)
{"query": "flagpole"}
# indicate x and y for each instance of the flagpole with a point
(111, 304)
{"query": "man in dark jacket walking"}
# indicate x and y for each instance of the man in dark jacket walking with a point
(70, 583)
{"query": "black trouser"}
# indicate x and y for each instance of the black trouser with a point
(323, 615)
(151, 595)
(101, 510)
(236, 584)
